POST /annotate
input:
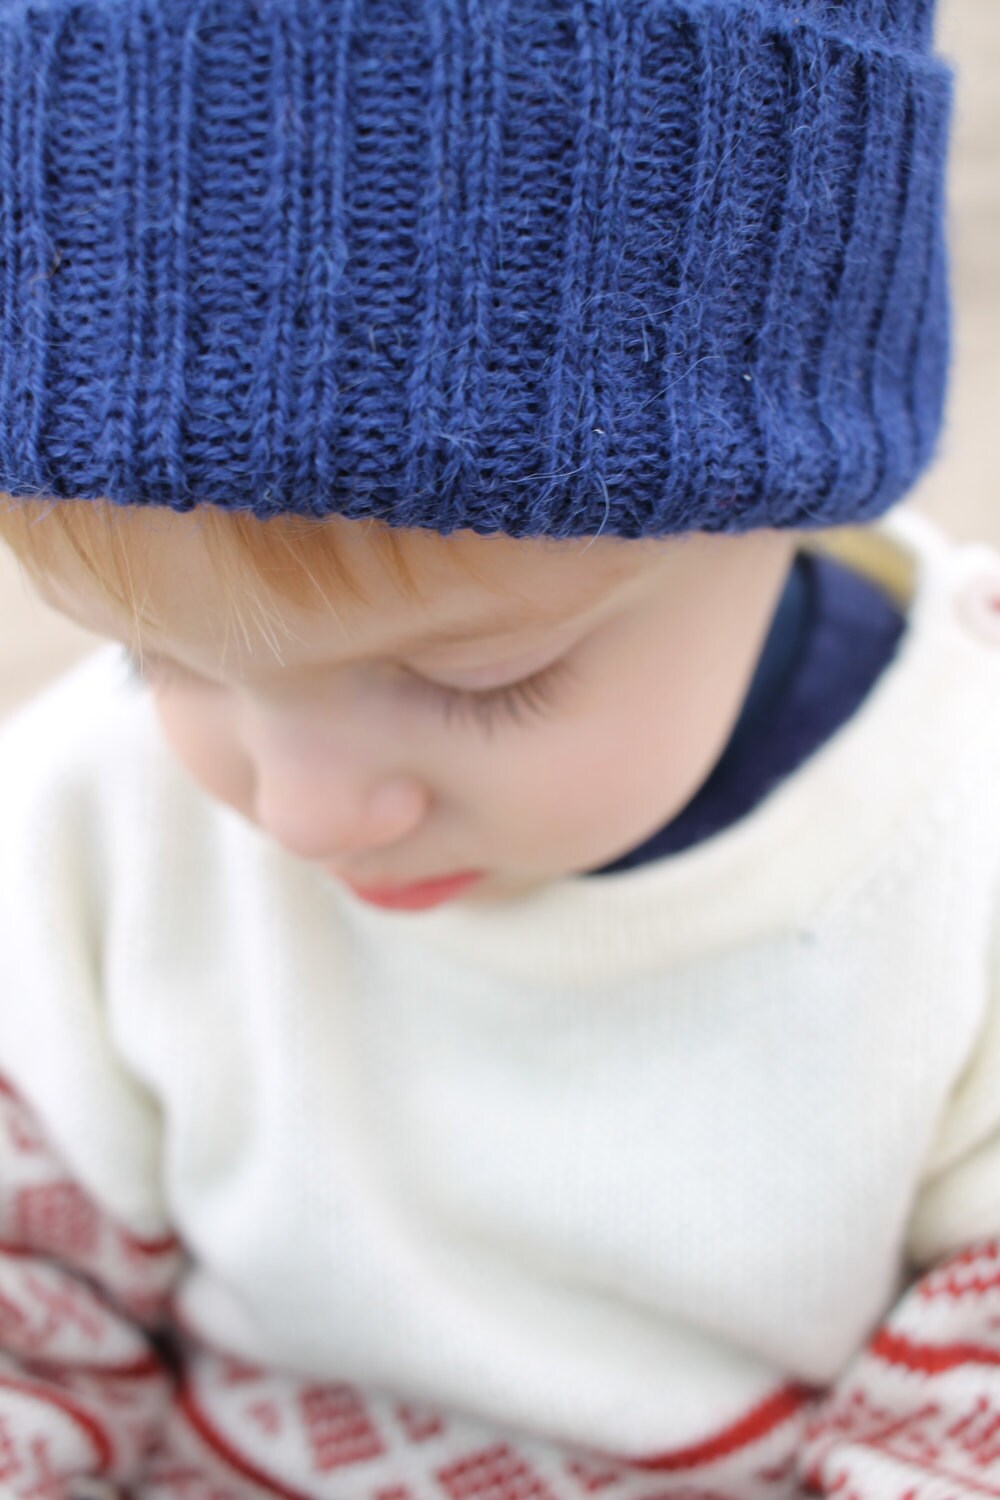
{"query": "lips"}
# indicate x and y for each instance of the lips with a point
(420, 895)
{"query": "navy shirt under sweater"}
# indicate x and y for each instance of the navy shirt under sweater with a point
(832, 635)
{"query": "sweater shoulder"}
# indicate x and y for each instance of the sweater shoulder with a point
(85, 717)
(73, 764)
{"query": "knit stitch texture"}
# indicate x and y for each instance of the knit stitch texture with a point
(551, 267)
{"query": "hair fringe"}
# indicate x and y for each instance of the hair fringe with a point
(259, 562)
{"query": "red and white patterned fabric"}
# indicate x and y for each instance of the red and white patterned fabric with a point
(917, 1416)
(105, 1392)
(83, 1390)
(105, 1395)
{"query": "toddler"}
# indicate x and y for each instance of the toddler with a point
(499, 960)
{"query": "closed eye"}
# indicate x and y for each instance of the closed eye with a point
(516, 702)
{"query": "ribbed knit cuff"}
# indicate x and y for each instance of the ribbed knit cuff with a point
(543, 268)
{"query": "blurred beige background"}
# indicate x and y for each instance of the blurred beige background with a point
(962, 491)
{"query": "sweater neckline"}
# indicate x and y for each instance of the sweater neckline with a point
(756, 875)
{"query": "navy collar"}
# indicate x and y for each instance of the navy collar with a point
(831, 636)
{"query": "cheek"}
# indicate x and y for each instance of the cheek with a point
(616, 773)
(604, 781)
(198, 738)
(601, 773)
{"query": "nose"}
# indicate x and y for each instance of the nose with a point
(338, 815)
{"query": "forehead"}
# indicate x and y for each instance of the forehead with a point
(464, 584)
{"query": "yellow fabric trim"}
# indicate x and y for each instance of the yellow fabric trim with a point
(871, 553)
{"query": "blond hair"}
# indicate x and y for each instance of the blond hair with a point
(258, 562)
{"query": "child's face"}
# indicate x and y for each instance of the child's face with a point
(353, 743)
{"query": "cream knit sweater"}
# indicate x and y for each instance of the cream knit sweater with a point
(621, 1164)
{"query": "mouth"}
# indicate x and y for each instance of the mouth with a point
(418, 896)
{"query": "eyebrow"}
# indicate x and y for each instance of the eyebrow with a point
(531, 615)
(500, 623)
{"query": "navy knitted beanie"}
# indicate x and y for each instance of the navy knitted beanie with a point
(543, 267)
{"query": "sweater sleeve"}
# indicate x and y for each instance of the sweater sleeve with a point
(916, 1416)
(87, 1257)
(958, 1202)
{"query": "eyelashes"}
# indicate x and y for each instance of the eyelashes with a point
(516, 703)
